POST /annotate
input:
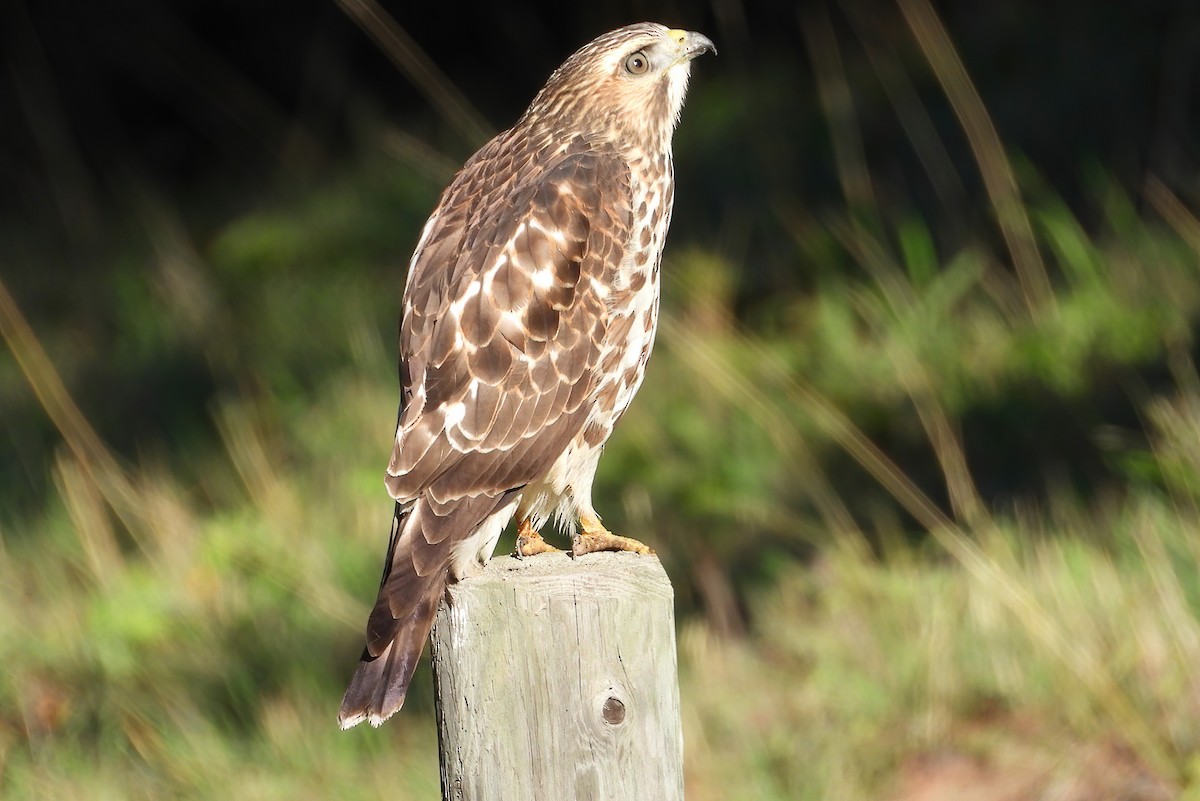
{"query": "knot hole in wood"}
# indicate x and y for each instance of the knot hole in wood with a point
(613, 711)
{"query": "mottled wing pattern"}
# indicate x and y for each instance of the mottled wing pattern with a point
(503, 331)
(500, 345)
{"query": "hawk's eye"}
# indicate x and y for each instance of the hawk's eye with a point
(637, 63)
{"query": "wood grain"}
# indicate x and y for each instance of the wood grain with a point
(556, 679)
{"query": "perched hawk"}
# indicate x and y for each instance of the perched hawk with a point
(529, 314)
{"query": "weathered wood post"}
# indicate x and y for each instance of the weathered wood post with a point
(556, 680)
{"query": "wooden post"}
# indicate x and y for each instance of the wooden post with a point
(556, 679)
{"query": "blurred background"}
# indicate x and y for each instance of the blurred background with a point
(919, 446)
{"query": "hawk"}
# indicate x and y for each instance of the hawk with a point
(529, 313)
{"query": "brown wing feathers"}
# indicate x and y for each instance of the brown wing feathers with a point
(497, 361)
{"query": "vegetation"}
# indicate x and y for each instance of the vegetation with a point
(930, 514)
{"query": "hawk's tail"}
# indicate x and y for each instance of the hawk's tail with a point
(380, 683)
(394, 644)
(425, 535)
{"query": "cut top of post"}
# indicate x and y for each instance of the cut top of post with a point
(556, 678)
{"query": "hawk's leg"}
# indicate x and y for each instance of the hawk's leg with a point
(529, 541)
(595, 537)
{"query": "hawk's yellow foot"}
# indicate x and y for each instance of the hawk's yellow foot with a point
(530, 542)
(593, 536)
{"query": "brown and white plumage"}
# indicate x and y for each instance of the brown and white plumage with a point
(529, 314)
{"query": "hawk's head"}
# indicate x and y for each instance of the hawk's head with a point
(626, 86)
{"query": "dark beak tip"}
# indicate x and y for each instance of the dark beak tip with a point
(704, 45)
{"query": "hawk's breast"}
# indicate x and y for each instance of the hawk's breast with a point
(633, 297)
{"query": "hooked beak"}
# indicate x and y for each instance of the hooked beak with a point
(691, 44)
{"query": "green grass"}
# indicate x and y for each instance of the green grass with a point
(857, 666)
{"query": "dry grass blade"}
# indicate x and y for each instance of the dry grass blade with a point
(910, 111)
(91, 519)
(93, 456)
(951, 457)
(997, 172)
(726, 379)
(412, 61)
(838, 105)
(250, 456)
(419, 156)
(1171, 208)
(902, 301)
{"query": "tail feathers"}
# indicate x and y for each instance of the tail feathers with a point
(424, 537)
(380, 683)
